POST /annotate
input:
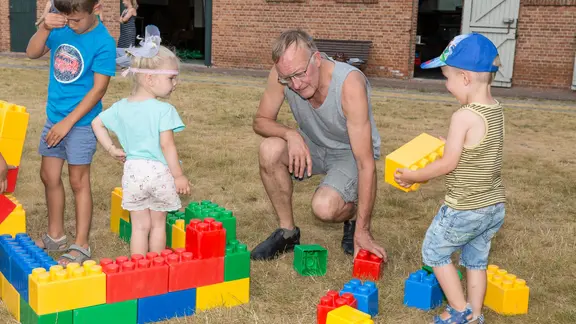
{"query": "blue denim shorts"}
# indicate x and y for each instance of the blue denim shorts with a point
(77, 147)
(468, 230)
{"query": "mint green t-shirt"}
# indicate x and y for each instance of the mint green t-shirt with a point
(138, 126)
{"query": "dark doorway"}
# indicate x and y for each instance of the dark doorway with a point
(22, 20)
(438, 22)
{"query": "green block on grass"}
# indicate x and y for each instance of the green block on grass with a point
(29, 316)
(125, 312)
(125, 230)
(236, 261)
(310, 260)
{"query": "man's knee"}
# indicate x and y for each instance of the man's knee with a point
(271, 151)
(327, 204)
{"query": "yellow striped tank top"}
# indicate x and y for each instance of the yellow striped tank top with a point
(476, 182)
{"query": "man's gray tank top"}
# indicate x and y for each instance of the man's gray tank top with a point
(326, 125)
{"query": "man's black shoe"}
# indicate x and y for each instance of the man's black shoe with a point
(275, 244)
(348, 238)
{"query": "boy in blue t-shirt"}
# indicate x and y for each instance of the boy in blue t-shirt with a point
(83, 58)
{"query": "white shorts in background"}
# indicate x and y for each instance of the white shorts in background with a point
(148, 184)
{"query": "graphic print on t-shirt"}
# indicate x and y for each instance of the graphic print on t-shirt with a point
(68, 64)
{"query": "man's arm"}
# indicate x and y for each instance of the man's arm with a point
(355, 108)
(265, 123)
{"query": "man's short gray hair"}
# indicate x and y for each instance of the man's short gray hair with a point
(289, 37)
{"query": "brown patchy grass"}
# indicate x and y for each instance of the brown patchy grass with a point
(219, 152)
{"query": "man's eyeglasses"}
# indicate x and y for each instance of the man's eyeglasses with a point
(298, 75)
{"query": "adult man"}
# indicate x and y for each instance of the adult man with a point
(337, 136)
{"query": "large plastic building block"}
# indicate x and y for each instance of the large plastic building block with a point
(310, 260)
(116, 211)
(505, 293)
(11, 298)
(366, 294)
(125, 230)
(204, 209)
(125, 312)
(11, 178)
(28, 316)
(333, 300)
(227, 294)
(66, 289)
(348, 315)
(429, 270)
(6, 207)
(163, 307)
(236, 261)
(134, 278)
(13, 121)
(178, 234)
(11, 150)
(416, 154)
(367, 266)
(23, 256)
(422, 290)
(15, 222)
(187, 272)
(205, 239)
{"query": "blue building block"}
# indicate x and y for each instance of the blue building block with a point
(366, 294)
(166, 306)
(21, 256)
(422, 290)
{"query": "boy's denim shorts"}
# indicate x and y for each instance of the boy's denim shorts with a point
(77, 147)
(468, 230)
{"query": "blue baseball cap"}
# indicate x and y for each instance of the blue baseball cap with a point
(472, 52)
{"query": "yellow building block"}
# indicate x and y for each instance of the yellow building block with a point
(11, 298)
(65, 289)
(416, 154)
(228, 294)
(13, 121)
(2, 278)
(15, 222)
(179, 234)
(11, 150)
(505, 293)
(116, 211)
(348, 315)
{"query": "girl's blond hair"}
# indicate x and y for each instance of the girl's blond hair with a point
(152, 63)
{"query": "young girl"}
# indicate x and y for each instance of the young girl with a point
(145, 127)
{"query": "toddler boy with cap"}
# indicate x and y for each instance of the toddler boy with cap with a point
(474, 205)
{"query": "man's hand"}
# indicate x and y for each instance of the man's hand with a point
(299, 159)
(53, 20)
(182, 185)
(363, 240)
(57, 133)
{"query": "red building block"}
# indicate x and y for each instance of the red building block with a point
(186, 272)
(332, 301)
(205, 239)
(12, 176)
(367, 266)
(6, 207)
(134, 278)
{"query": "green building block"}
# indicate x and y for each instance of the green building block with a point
(29, 316)
(236, 261)
(125, 230)
(310, 260)
(429, 270)
(206, 208)
(125, 312)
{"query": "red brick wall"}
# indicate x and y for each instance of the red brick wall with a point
(546, 46)
(243, 31)
(4, 26)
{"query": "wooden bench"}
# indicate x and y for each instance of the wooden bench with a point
(349, 49)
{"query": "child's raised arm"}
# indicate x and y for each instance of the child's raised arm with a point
(37, 44)
(170, 153)
(104, 139)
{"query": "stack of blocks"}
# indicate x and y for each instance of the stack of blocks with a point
(356, 303)
(203, 267)
(13, 126)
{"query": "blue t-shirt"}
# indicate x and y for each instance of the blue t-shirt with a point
(74, 60)
(138, 126)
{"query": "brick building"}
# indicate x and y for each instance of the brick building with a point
(536, 38)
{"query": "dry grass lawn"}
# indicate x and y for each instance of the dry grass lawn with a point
(219, 153)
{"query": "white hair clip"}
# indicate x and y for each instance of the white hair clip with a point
(149, 47)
